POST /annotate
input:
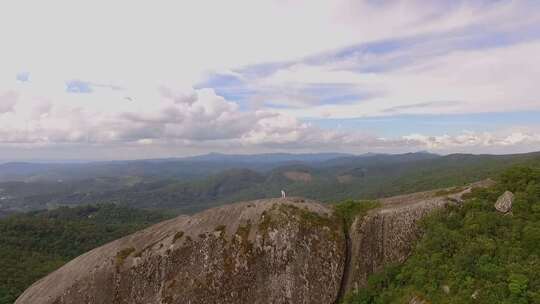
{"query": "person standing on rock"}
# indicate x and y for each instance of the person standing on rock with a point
(283, 194)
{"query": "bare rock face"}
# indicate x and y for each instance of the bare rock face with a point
(267, 251)
(386, 235)
(504, 202)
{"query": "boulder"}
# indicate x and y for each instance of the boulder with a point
(446, 289)
(267, 251)
(475, 294)
(504, 202)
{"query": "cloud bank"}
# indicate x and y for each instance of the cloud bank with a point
(169, 78)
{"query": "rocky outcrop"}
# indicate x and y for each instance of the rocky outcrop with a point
(386, 235)
(268, 251)
(504, 202)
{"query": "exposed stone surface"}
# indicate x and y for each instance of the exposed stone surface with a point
(504, 202)
(386, 235)
(418, 300)
(288, 250)
(446, 289)
(268, 251)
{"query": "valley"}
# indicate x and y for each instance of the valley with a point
(220, 179)
(48, 222)
(404, 249)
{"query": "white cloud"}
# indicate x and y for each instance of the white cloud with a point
(478, 140)
(137, 62)
(200, 120)
(172, 116)
(194, 119)
(473, 81)
(140, 42)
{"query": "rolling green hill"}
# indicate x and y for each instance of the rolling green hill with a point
(360, 177)
(35, 243)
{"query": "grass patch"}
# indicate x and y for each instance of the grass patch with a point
(243, 231)
(281, 214)
(122, 255)
(313, 218)
(178, 236)
(350, 209)
(220, 228)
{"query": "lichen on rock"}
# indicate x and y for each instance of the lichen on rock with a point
(267, 251)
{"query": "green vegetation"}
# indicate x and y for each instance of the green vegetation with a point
(348, 210)
(220, 228)
(472, 249)
(36, 243)
(449, 191)
(178, 236)
(243, 230)
(154, 185)
(471, 253)
(122, 255)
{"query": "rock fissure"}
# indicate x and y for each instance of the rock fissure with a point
(347, 264)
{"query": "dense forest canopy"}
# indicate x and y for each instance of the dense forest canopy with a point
(36, 243)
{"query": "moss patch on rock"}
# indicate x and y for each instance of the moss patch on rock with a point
(243, 230)
(122, 255)
(350, 209)
(178, 236)
(282, 215)
(220, 228)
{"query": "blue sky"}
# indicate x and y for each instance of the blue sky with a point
(434, 124)
(373, 58)
(173, 79)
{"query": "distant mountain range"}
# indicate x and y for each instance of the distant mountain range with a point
(196, 183)
(268, 157)
(180, 168)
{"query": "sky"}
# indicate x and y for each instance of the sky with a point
(101, 80)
